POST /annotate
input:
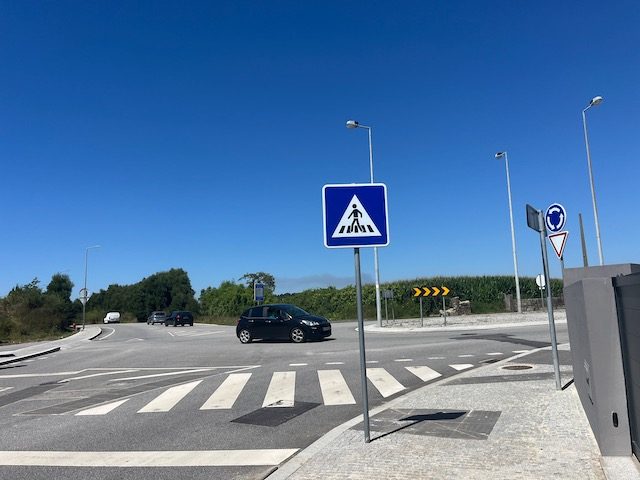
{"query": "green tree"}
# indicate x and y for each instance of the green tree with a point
(61, 286)
(262, 277)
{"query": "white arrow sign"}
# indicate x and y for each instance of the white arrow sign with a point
(558, 242)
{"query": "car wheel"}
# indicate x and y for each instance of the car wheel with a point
(166, 324)
(191, 324)
(244, 336)
(297, 335)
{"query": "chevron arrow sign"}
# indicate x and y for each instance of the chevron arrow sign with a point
(433, 291)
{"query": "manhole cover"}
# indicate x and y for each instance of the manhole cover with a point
(517, 367)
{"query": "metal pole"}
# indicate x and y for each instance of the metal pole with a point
(585, 260)
(593, 191)
(86, 293)
(444, 311)
(86, 256)
(513, 235)
(421, 318)
(375, 249)
(552, 325)
(363, 360)
(386, 310)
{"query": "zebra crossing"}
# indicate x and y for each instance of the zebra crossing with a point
(281, 390)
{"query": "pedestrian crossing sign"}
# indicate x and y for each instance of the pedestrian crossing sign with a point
(355, 215)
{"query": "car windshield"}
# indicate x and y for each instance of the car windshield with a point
(293, 310)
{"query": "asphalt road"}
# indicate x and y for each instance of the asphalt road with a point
(155, 402)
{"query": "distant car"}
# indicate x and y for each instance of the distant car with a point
(281, 322)
(179, 318)
(112, 317)
(156, 317)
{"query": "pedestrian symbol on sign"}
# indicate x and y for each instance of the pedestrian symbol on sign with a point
(355, 222)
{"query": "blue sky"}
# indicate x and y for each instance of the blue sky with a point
(198, 135)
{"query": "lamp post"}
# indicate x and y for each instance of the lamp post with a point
(594, 101)
(355, 124)
(513, 234)
(84, 304)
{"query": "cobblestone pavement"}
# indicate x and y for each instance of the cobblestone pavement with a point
(526, 430)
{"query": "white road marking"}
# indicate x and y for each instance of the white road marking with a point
(334, 363)
(109, 334)
(520, 351)
(169, 398)
(2, 389)
(281, 390)
(227, 393)
(461, 366)
(197, 458)
(182, 372)
(102, 409)
(335, 390)
(373, 361)
(384, 381)
(404, 360)
(465, 356)
(495, 354)
(42, 358)
(424, 373)
(31, 375)
(196, 333)
(298, 364)
(97, 375)
(435, 358)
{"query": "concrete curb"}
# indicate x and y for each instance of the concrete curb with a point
(291, 466)
(479, 326)
(90, 335)
(31, 355)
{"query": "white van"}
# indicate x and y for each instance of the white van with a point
(112, 317)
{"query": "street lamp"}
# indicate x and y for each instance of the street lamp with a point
(84, 304)
(355, 124)
(594, 101)
(513, 234)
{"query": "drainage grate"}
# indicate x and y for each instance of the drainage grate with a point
(490, 360)
(517, 367)
(461, 424)
(274, 416)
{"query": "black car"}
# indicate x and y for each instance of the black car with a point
(156, 317)
(179, 318)
(281, 322)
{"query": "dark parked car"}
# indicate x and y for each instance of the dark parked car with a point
(281, 322)
(179, 318)
(156, 317)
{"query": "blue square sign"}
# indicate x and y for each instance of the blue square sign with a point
(355, 215)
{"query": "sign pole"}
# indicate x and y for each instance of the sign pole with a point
(552, 325)
(363, 361)
(444, 311)
(421, 318)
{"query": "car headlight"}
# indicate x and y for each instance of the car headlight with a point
(311, 323)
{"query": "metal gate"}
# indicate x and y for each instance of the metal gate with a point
(628, 299)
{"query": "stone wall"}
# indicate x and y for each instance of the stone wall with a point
(530, 304)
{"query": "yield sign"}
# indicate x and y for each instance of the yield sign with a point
(558, 241)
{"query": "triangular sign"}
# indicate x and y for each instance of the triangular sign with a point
(356, 222)
(558, 241)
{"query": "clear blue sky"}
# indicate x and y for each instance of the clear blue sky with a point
(198, 135)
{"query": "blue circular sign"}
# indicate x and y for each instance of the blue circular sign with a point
(555, 218)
